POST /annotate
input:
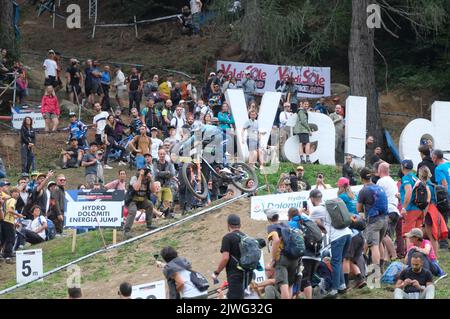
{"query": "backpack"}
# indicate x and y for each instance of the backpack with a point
(199, 281)
(441, 198)
(420, 195)
(312, 235)
(50, 232)
(294, 245)
(380, 202)
(250, 253)
(2, 169)
(392, 272)
(339, 214)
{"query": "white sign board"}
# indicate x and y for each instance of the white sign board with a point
(153, 290)
(29, 265)
(19, 115)
(282, 202)
(260, 275)
(94, 214)
(312, 82)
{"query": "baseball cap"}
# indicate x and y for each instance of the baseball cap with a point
(246, 72)
(34, 173)
(415, 232)
(234, 220)
(50, 184)
(4, 183)
(73, 139)
(147, 154)
(271, 213)
(300, 168)
(212, 73)
(72, 114)
(407, 163)
(343, 182)
(51, 51)
(153, 129)
(365, 173)
(42, 174)
(182, 102)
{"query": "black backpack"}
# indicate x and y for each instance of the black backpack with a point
(312, 235)
(250, 253)
(420, 195)
(294, 245)
(199, 281)
(441, 198)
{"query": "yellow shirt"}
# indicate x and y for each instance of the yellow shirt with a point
(10, 205)
(164, 88)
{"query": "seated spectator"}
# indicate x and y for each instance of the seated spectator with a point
(348, 170)
(302, 182)
(320, 182)
(421, 245)
(120, 183)
(415, 282)
(125, 290)
(35, 232)
(73, 155)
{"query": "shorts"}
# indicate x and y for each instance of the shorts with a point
(122, 93)
(303, 138)
(74, 88)
(165, 195)
(286, 271)
(99, 139)
(253, 144)
(96, 88)
(376, 231)
(51, 80)
(49, 116)
(412, 219)
(72, 162)
(309, 269)
(355, 249)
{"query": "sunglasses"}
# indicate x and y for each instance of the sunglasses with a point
(62, 180)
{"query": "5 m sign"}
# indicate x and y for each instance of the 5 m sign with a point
(29, 265)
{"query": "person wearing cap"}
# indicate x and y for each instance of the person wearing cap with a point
(442, 177)
(415, 282)
(119, 86)
(149, 113)
(231, 254)
(72, 156)
(74, 81)
(340, 240)
(166, 86)
(156, 142)
(425, 155)
(148, 162)
(346, 194)
(178, 121)
(413, 216)
(8, 233)
(376, 217)
(77, 130)
(58, 202)
(249, 87)
(50, 68)
(303, 184)
(39, 195)
(303, 131)
(89, 162)
(285, 268)
(4, 186)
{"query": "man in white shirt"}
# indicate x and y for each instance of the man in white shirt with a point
(119, 85)
(35, 233)
(99, 123)
(50, 68)
(156, 142)
(283, 119)
(339, 238)
(178, 121)
(196, 9)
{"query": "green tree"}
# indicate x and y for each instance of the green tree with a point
(7, 34)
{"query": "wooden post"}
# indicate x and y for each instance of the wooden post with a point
(74, 239)
(135, 27)
(114, 236)
(267, 184)
(101, 235)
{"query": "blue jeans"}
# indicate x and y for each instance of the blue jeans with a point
(338, 249)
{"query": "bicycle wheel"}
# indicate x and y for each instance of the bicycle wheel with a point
(242, 174)
(197, 188)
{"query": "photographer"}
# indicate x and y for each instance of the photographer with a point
(348, 170)
(320, 182)
(137, 198)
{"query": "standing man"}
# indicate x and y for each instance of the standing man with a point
(249, 87)
(119, 85)
(338, 122)
(8, 231)
(139, 194)
(178, 121)
(74, 79)
(135, 85)
(90, 162)
(196, 9)
(285, 268)
(303, 131)
(164, 171)
(373, 202)
(238, 280)
(99, 123)
(425, 155)
(442, 177)
(56, 214)
(141, 144)
(156, 142)
(50, 68)
(376, 157)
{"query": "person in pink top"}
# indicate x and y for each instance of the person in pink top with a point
(50, 109)
(421, 245)
(118, 184)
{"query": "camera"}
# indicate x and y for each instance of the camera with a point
(320, 176)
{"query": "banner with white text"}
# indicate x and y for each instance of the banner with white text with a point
(94, 214)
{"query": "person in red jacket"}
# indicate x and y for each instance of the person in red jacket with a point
(50, 109)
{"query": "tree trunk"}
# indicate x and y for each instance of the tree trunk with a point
(7, 34)
(362, 69)
(251, 38)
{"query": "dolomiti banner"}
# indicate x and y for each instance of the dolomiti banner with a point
(312, 82)
(94, 208)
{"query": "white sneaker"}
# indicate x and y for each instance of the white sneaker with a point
(107, 167)
(122, 163)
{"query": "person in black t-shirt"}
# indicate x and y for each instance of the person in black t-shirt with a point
(415, 282)
(135, 85)
(74, 81)
(237, 279)
(73, 155)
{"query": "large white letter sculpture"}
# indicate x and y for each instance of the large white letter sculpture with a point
(355, 128)
(438, 128)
